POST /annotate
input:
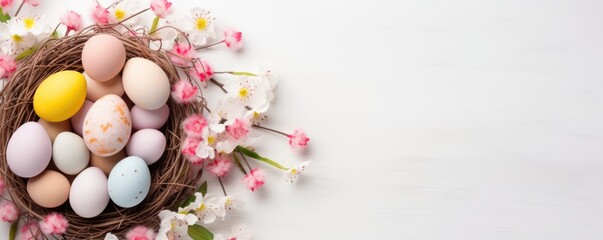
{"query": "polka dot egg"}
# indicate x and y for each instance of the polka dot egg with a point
(107, 126)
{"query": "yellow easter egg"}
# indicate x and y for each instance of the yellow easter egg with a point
(60, 96)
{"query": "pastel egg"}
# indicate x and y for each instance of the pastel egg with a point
(129, 182)
(142, 118)
(69, 153)
(49, 189)
(96, 89)
(146, 83)
(54, 128)
(88, 196)
(106, 164)
(107, 126)
(77, 121)
(60, 96)
(147, 144)
(103, 57)
(29, 150)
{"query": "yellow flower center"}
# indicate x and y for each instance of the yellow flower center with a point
(16, 38)
(243, 93)
(29, 23)
(293, 171)
(201, 24)
(211, 140)
(120, 14)
(201, 208)
(228, 202)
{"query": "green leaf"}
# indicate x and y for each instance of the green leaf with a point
(197, 232)
(203, 188)
(244, 74)
(154, 25)
(26, 53)
(248, 152)
(4, 17)
(55, 34)
(13, 230)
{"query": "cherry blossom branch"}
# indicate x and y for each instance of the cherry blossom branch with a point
(221, 85)
(19, 8)
(271, 130)
(222, 185)
(238, 162)
(209, 45)
(245, 160)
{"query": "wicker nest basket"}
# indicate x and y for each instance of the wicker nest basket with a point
(172, 179)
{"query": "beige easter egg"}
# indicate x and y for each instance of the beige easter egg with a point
(107, 126)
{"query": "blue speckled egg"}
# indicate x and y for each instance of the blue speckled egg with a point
(129, 182)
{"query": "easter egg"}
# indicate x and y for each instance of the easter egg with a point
(60, 96)
(146, 83)
(106, 164)
(49, 189)
(147, 144)
(107, 126)
(129, 182)
(142, 118)
(77, 121)
(54, 128)
(96, 89)
(29, 150)
(88, 196)
(69, 153)
(103, 57)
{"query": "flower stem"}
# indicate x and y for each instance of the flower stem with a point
(270, 129)
(221, 85)
(134, 15)
(19, 8)
(255, 155)
(209, 45)
(221, 184)
(238, 162)
(245, 160)
(155, 23)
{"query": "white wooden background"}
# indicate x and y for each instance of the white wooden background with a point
(430, 119)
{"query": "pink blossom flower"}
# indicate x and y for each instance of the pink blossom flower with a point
(30, 231)
(298, 140)
(2, 185)
(194, 125)
(233, 39)
(100, 15)
(8, 66)
(182, 54)
(6, 3)
(32, 2)
(161, 8)
(54, 223)
(140, 233)
(189, 149)
(184, 92)
(255, 179)
(72, 20)
(220, 166)
(8, 212)
(202, 70)
(238, 129)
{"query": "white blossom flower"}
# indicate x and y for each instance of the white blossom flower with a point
(122, 10)
(224, 111)
(21, 33)
(293, 173)
(204, 208)
(228, 203)
(175, 225)
(200, 27)
(110, 236)
(239, 232)
(249, 91)
(272, 79)
(168, 37)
